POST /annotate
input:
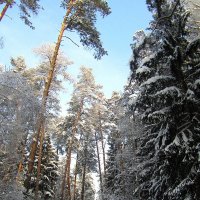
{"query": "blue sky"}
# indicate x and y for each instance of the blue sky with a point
(116, 30)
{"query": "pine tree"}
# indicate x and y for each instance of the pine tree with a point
(114, 163)
(79, 16)
(77, 124)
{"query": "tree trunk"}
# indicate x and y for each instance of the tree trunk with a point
(75, 177)
(158, 8)
(42, 135)
(102, 145)
(48, 82)
(68, 171)
(68, 159)
(84, 173)
(99, 165)
(83, 182)
(75, 173)
(63, 182)
(3, 12)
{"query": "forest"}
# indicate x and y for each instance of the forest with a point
(139, 144)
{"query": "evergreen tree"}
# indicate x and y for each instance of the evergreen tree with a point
(49, 172)
(77, 127)
(166, 67)
(114, 162)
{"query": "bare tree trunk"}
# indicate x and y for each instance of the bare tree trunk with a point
(99, 164)
(3, 12)
(68, 159)
(75, 177)
(68, 171)
(75, 173)
(84, 173)
(64, 182)
(66, 174)
(102, 145)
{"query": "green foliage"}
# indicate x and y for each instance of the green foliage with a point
(167, 71)
(49, 172)
(27, 6)
(83, 18)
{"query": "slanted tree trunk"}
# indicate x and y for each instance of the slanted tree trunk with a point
(41, 118)
(3, 12)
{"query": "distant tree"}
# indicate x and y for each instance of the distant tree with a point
(1, 43)
(87, 156)
(89, 189)
(77, 126)
(36, 76)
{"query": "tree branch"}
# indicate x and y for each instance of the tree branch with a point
(168, 16)
(71, 40)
